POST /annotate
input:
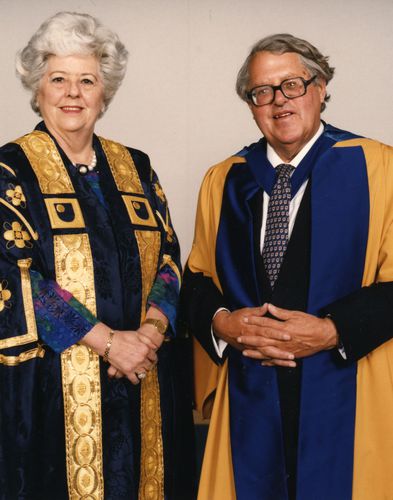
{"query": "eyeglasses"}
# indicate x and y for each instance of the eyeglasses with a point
(290, 88)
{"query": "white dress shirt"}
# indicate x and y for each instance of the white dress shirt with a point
(275, 160)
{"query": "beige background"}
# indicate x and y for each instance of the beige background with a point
(178, 102)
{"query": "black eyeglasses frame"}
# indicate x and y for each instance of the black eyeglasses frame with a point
(274, 88)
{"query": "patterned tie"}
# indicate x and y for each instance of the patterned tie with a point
(276, 234)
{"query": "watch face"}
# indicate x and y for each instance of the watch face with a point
(160, 325)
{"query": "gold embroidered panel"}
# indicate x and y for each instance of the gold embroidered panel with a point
(83, 423)
(152, 458)
(139, 210)
(74, 267)
(149, 247)
(64, 213)
(46, 162)
(80, 376)
(152, 455)
(31, 334)
(122, 166)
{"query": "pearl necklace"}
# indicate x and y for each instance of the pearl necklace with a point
(83, 169)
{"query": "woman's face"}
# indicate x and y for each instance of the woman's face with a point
(71, 94)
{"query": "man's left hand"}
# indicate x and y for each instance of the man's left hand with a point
(308, 333)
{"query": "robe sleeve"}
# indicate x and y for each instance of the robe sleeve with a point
(201, 294)
(363, 319)
(18, 252)
(199, 301)
(59, 319)
(164, 294)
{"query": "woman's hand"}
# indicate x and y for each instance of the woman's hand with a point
(148, 335)
(149, 331)
(131, 352)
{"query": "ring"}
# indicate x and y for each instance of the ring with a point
(141, 375)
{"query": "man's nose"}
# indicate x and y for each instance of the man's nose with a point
(279, 97)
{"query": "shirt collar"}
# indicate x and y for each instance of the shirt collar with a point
(275, 160)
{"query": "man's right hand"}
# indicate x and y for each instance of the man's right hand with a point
(244, 323)
(228, 326)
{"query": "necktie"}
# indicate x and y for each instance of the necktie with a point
(276, 234)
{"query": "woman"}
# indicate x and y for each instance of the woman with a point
(90, 274)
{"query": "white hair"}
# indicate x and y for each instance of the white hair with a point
(71, 33)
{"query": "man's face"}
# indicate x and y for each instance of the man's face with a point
(287, 124)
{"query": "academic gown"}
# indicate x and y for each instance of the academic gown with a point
(345, 440)
(66, 429)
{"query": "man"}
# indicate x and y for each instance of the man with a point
(288, 289)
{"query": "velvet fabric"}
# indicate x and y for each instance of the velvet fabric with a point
(32, 427)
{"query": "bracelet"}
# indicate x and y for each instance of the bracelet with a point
(108, 347)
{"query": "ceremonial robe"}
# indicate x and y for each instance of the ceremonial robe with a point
(90, 251)
(345, 439)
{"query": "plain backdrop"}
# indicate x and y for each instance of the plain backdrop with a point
(178, 102)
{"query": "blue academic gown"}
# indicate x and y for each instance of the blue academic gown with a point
(224, 253)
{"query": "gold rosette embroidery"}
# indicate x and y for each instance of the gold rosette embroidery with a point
(16, 236)
(5, 295)
(15, 196)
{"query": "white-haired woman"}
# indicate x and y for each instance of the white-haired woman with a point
(89, 280)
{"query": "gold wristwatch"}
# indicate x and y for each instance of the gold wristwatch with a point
(160, 325)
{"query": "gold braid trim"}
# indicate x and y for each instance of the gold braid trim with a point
(10, 170)
(38, 352)
(31, 334)
(151, 485)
